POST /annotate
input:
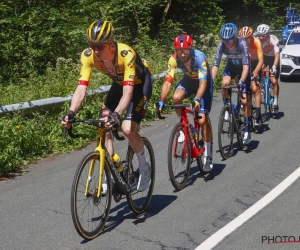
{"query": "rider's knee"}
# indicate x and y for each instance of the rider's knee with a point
(202, 120)
(177, 98)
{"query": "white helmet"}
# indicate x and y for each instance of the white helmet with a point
(263, 29)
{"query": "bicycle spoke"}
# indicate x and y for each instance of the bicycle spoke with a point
(89, 213)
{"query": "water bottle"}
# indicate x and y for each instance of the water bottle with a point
(235, 110)
(196, 134)
(117, 162)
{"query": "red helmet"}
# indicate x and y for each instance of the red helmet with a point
(183, 42)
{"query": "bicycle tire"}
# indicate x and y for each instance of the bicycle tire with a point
(272, 114)
(225, 151)
(139, 201)
(200, 159)
(81, 214)
(179, 179)
(264, 106)
(253, 118)
(240, 135)
(264, 110)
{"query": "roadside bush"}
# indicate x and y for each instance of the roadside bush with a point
(25, 140)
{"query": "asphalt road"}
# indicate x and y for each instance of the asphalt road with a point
(35, 208)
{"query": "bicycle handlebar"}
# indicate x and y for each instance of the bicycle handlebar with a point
(231, 87)
(97, 123)
(175, 106)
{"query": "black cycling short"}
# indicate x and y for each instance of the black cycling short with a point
(141, 96)
(269, 61)
(235, 71)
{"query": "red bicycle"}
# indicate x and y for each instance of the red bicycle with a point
(185, 146)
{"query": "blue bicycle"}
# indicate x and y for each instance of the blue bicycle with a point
(267, 97)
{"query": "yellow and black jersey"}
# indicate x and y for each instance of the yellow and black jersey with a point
(127, 67)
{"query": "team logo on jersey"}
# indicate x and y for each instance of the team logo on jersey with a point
(268, 48)
(88, 52)
(140, 104)
(204, 66)
(130, 64)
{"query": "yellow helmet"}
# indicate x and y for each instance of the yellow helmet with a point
(100, 32)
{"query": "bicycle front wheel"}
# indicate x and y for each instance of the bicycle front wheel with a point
(90, 212)
(139, 200)
(225, 132)
(179, 157)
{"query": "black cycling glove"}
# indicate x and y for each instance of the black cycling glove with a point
(114, 119)
(70, 115)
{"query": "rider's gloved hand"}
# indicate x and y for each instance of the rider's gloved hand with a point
(196, 104)
(160, 104)
(241, 86)
(114, 119)
(273, 69)
(66, 118)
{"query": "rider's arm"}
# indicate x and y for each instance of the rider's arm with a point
(165, 90)
(201, 89)
(245, 59)
(125, 99)
(83, 82)
(172, 65)
(260, 56)
(214, 72)
(202, 76)
(128, 62)
(245, 73)
(217, 62)
(78, 97)
(274, 41)
(276, 58)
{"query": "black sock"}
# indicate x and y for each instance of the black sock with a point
(257, 111)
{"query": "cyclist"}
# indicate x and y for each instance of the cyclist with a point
(237, 68)
(196, 80)
(257, 60)
(270, 49)
(131, 89)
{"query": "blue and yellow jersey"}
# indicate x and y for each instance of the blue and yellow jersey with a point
(199, 66)
(127, 67)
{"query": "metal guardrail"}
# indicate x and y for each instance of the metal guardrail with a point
(55, 103)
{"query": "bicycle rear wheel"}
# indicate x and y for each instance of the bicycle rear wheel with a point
(90, 213)
(225, 132)
(139, 201)
(179, 157)
(200, 159)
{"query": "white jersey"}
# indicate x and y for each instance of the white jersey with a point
(270, 45)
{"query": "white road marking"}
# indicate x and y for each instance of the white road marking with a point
(217, 237)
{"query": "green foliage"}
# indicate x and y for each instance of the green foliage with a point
(41, 41)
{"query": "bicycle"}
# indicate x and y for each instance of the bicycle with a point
(187, 151)
(263, 107)
(267, 91)
(231, 122)
(89, 207)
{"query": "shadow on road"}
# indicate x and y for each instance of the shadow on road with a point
(157, 204)
(278, 116)
(217, 170)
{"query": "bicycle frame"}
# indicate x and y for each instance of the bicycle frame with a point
(104, 157)
(195, 152)
(266, 85)
(238, 104)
